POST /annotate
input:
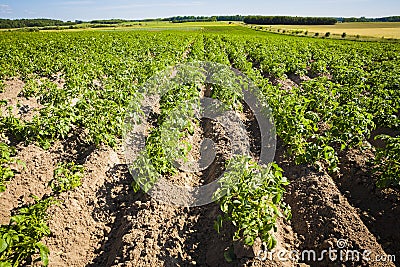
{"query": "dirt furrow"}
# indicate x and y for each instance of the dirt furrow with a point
(324, 219)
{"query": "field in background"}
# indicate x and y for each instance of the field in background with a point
(365, 30)
(187, 26)
(65, 93)
(139, 26)
(373, 29)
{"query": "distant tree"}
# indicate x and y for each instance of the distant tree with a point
(230, 18)
(327, 34)
(179, 19)
(344, 35)
(316, 34)
(21, 23)
(287, 20)
(109, 21)
(364, 19)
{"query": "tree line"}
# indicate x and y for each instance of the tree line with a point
(364, 19)
(175, 19)
(287, 20)
(21, 23)
(179, 19)
(204, 18)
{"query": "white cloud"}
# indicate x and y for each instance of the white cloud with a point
(5, 9)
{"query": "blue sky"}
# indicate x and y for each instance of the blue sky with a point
(138, 9)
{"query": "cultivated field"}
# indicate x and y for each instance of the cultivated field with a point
(334, 182)
(373, 29)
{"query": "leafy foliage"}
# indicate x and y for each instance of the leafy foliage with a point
(19, 23)
(86, 80)
(6, 158)
(67, 176)
(163, 145)
(353, 90)
(388, 162)
(253, 199)
(2, 86)
(20, 239)
(271, 20)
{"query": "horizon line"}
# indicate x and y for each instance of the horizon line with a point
(157, 18)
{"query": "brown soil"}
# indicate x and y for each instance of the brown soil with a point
(322, 215)
(378, 143)
(32, 179)
(21, 107)
(104, 223)
(298, 79)
(378, 209)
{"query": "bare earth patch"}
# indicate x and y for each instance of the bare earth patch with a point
(21, 107)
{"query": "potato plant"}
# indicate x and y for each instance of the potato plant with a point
(250, 197)
(67, 176)
(20, 239)
(84, 81)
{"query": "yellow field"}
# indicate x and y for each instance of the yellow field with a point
(373, 29)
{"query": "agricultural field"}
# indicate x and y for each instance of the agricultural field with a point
(364, 29)
(139, 26)
(68, 197)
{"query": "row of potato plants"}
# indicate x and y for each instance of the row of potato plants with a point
(85, 81)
